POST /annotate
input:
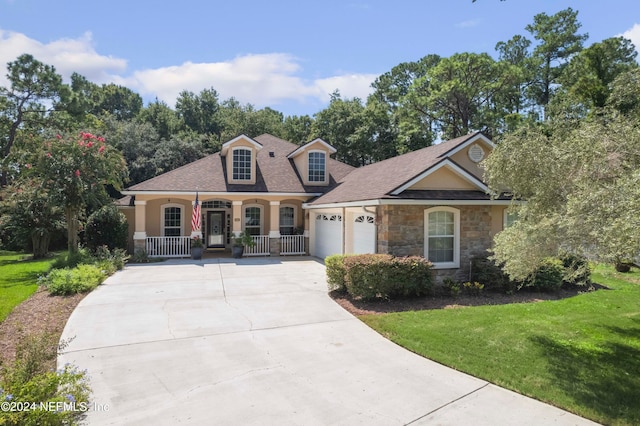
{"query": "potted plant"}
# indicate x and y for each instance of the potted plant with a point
(240, 242)
(196, 247)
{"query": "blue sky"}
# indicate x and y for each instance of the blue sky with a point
(289, 55)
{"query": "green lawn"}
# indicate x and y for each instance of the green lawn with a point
(581, 354)
(18, 279)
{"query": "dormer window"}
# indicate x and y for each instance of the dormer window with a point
(317, 166)
(241, 164)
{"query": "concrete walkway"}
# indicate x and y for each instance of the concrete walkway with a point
(259, 342)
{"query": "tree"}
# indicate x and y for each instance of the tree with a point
(30, 217)
(297, 128)
(199, 112)
(409, 128)
(32, 84)
(461, 94)
(582, 191)
(589, 75)
(75, 172)
(164, 120)
(119, 101)
(625, 94)
(558, 41)
(340, 124)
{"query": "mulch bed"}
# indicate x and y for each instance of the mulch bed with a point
(377, 307)
(40, 314)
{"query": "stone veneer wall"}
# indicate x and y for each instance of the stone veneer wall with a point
(401, 233)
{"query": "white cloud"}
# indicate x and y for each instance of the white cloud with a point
(67, 55)
(468, 24)
(270, 79)
(259, 79)
(633, 34)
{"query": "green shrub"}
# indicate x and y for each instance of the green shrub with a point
(548, 276)
(116, 257)
(80, 279)
(453, 287)
(486, 272)
(107, 226)
(576, 269)
(71, 260)
(335, 272)
(370, 276)
(29, 379)
(474, 288)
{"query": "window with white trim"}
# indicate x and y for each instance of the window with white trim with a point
(317, 166)
(442, 237)
(171, 220)
(253, 219)
(287, 220)
(509, 218)
(241, 164)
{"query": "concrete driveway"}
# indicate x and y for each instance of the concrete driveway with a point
(259, 342)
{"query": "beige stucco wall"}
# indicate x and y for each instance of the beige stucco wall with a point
(154, 203)
(301, 161)
(244, 143)
(462, 158)
(444, 178)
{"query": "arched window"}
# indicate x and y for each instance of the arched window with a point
(171, 220)
(442, 237)
(241, 164)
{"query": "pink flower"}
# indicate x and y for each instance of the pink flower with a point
(49, 154)
(81, 143)
(101, 149)
(28, 165)
(100, 139)
(89, 144)
(58, 137)
(86, 135)
(77, 173)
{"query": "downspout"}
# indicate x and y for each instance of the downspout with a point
(344, 232)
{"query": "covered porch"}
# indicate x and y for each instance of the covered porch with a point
(163, 224)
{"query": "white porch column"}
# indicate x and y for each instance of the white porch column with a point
(140, 232)
(274, 225)
(237, 218)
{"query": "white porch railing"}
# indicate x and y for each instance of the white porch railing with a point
(261, 248)
(168, 246)
(292, 244)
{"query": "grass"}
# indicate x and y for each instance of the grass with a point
(18, 279)
(581, 354)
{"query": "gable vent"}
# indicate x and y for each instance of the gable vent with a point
(272, 154)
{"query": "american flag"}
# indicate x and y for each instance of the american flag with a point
(195, 219)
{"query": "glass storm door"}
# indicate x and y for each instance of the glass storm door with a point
(215, 229)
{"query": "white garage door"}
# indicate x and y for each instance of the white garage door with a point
(328, 234)
(364, 233)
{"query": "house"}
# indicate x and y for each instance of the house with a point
(298, 200)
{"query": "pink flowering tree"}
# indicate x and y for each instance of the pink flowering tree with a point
(75, 171)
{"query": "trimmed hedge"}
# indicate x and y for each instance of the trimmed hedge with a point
(335, 272)
(372, 276)
(107, 227)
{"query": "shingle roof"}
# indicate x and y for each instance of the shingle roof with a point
(274, 173)
(378, 180)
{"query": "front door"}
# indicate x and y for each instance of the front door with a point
(215, 229)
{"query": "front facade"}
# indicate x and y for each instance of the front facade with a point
(297, 200)
(253, 184)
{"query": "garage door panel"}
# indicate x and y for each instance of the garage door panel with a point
(328, 234)
(364, 234)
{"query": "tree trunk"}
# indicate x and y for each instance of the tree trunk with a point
(40, 242)
(71, 215)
